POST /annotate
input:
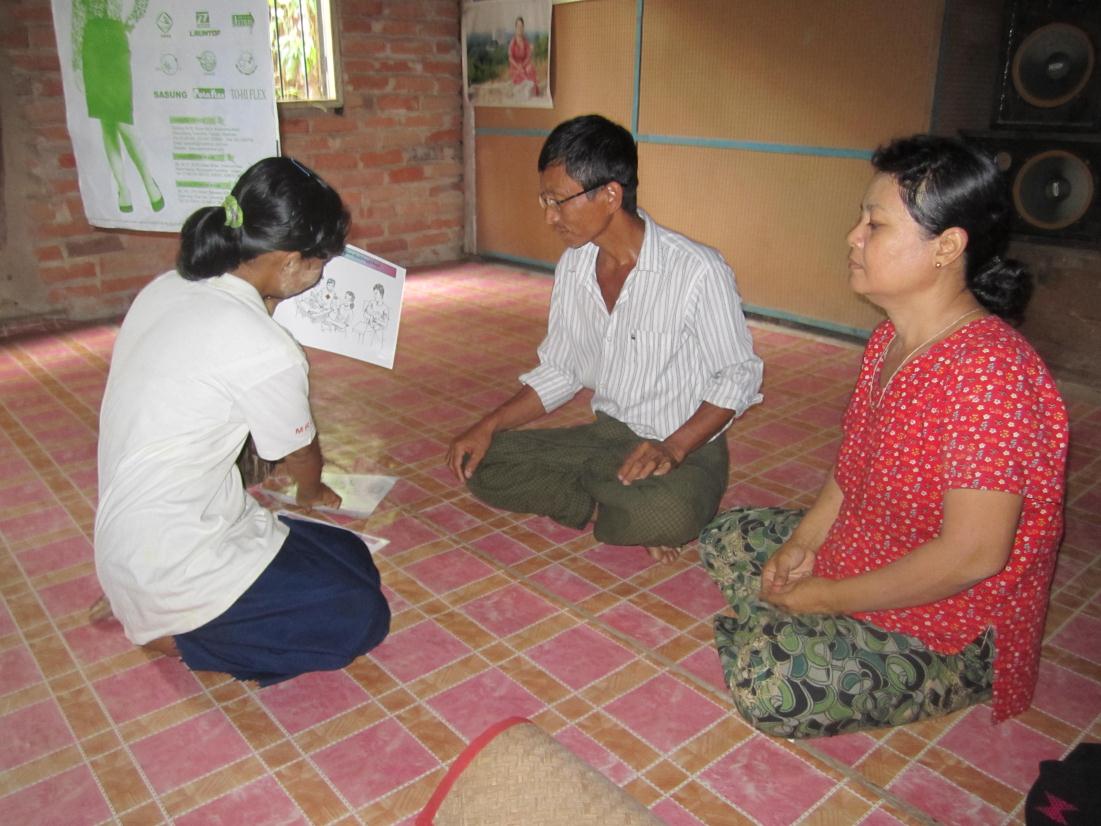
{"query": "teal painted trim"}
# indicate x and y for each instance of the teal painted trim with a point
(707, 143)
(640, 6)
(815, 323)
(766, 312)
(517, 259)
(756, 146)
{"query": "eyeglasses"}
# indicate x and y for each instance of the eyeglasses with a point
(556, 203)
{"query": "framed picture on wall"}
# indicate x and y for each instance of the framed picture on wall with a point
(506, 53)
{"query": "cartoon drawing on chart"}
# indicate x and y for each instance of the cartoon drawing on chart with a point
(317, 302)
(101, 62)
(340, 316)
(376, 318)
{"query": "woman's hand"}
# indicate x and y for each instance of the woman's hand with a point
(793, 562)
(322, 497)
(808, 595)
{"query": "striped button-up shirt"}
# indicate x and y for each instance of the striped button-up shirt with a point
(675, 338)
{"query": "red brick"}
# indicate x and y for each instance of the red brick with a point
(51, 252)
(414, 83)
(50, 110)
(335, 161)
(15, 38)
(71, 271)
(42, 37)
(408, 227)
(405, 174)
(293, 122)
(31, 14)
(333, 123)
(63, 230)
(377, 121)
(434, 103)
(389, 245)
(441, 67)
(372, 82)
(387, 158)
(446, 136)
(394, 67)
(99, 244)
(443, 169)
(369, 230)
(408, 46)
(355, 180)
(35, 61)
(48, 87)
(397, 28)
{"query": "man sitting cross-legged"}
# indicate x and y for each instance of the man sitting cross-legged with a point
(652, 323)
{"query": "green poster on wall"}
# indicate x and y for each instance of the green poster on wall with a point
(167, 102)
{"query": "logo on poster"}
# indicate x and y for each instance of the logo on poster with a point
(247, 94)
(209, 61)
(203, 27)
(246, 63)
(213, 93)
(243, 21)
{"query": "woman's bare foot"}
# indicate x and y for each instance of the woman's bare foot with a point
(663, 553)
(100, 610)
(163, 645)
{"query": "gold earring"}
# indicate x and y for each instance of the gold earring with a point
(938, 265)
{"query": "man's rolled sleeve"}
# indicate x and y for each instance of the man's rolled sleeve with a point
(725, 342)
(553, 386)
(736, 387)
(554, 383)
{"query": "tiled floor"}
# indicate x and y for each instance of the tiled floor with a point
(494, 615)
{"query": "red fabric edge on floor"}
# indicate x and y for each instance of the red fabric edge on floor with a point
(428, 814)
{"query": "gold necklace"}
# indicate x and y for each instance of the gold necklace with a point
(914, 352)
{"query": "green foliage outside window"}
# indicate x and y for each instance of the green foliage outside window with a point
(298, 51)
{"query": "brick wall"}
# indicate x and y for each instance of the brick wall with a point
(394, 154)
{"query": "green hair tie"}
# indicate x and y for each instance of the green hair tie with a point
(234, 216)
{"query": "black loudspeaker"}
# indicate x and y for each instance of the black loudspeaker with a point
(1050, 77)
(1055, 179)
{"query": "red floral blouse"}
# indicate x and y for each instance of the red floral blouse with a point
(976, 410)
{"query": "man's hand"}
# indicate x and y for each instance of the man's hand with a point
(649, 458)
(470, 445)
(321, 497)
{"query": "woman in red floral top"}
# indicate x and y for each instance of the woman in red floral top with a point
(918, 582)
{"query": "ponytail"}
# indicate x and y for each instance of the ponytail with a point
(277, 204)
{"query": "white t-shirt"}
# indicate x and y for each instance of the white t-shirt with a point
(197, 366)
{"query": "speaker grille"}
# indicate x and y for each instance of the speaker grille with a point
(1053, 189)
(1053, 65)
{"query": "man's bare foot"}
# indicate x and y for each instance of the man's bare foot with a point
(163, 645)
(100, 610)
(663, 553)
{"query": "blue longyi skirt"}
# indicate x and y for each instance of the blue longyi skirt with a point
(316, 607)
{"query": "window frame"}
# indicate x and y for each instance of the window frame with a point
(331, 10)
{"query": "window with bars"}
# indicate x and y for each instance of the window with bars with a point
(304, 52)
